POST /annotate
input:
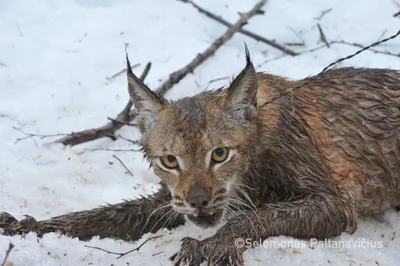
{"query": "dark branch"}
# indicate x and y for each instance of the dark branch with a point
(121, 254)
(322, 37)
(200, 58)
(108, 130)
(243, 31)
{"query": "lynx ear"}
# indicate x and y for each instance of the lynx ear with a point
(243, 90)
(146, 101)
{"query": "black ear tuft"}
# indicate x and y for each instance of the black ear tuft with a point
(246, 50)
(243, 90)
(146, 101)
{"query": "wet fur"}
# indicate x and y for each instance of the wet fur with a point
(313, 162)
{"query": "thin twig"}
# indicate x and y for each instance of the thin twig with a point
(121, 72)
(19, 30)
(134, 142)
(122, 150)
(243, 31)
(361, 46)
(322, 37)
(121, 254)
(126, 168)
(32, 135)
(10, 247)
(323, 13)
(161, 252)
(217, 79)
(109, 129)
(310, 80)
(298, 36)
(200, 58)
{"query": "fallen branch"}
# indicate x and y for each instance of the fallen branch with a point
(108, 130)
(32, 135)
(121, 254)
(127, 115)
(323, 13)
(122, 163)
(10, 247)
(243, 31)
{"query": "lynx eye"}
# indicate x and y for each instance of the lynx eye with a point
(169, 161)
(219, 155)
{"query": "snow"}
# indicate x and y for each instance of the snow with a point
(54, 60)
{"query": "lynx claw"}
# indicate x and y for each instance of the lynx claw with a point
(189, 255)
(194, 252)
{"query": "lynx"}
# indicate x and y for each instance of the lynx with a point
(306, 165)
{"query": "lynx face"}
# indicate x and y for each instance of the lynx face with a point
(199, 146)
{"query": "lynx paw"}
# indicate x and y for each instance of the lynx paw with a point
(213, 251)
(6, 220)
(190, 254)
(11, 226)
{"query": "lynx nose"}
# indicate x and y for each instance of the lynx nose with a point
(198, 197)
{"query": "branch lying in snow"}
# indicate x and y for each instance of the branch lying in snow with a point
(122, 163)
(31, 135)
(127, 115)
(124, 253)
(10, 247)
(108, 130)
(245, 32)
(200, 58)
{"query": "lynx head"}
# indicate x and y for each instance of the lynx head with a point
(200, 146)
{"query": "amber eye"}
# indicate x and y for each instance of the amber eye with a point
(219, 155)
(170, 161)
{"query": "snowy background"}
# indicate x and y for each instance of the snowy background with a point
(55, 58)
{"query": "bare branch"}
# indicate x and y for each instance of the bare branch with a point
(108, 130)
(323, 13)
(134, 142)
(243, 31)
(322, 37)
(32, 135)
(126, 168)
(10, 247)
(121, 254)
(161, 252)
(217, 79)
(371, 49)
(200, 58)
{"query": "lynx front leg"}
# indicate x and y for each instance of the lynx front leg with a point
(309, 218)
(128, 220)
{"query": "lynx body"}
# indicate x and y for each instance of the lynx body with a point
(306, 165)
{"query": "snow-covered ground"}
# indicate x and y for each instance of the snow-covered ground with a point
(55, 57)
